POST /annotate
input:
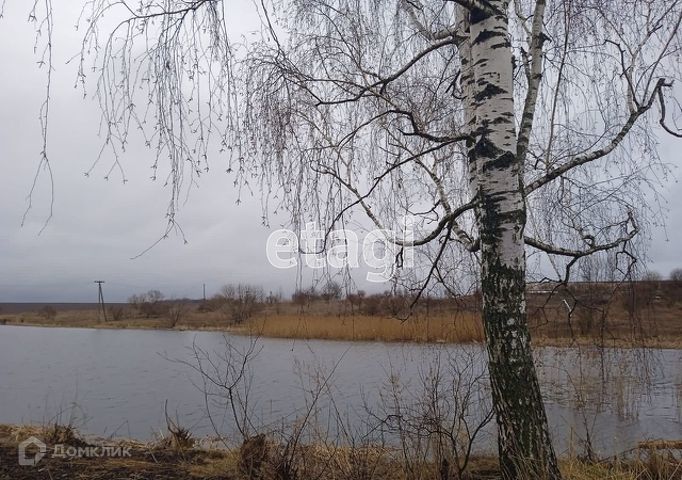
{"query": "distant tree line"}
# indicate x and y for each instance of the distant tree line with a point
(238, 303)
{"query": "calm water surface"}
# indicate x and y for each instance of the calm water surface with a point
(116, 382)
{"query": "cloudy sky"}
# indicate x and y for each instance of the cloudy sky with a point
(99, 225)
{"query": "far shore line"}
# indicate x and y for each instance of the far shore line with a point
(256, 330)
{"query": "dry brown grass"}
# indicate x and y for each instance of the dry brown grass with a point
(657, 467)
(216, 465)
(381, 463)
(326, 462)
(439, 326)
(463, 327)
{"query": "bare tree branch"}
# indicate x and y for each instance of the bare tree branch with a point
(602, 152)
(536, 41)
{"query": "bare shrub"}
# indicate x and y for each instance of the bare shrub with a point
(395, 303)
(438, 423)
(253, 454)
(57, 433)
(387, 303)
(355, 300)
(266, 451)
(303, 298)
(331, 291)
(211, 305)
(238, 303)
(179, 438)
(676, 275)
(117, 313)
(149, 304)
(225, 381)
(372, 305)
(176, 311)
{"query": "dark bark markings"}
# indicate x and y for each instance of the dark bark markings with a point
(525, 447)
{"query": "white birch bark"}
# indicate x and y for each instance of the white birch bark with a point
(524, 444)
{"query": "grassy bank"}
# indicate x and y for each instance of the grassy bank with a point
(457, 327)
(626, 317)
(262, 458)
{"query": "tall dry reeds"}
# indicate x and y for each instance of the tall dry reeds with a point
(463, 327)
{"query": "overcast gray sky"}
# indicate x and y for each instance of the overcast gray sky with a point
(99, 225)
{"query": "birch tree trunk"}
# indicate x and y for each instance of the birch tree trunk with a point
(525, 448)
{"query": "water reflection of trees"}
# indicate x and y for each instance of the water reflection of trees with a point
(600, 384)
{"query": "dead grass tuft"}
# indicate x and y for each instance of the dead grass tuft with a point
(259, 458)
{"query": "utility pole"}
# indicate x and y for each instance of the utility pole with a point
(204, 292)
(100, 299)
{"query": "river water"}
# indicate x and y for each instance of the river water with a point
(121, 383)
